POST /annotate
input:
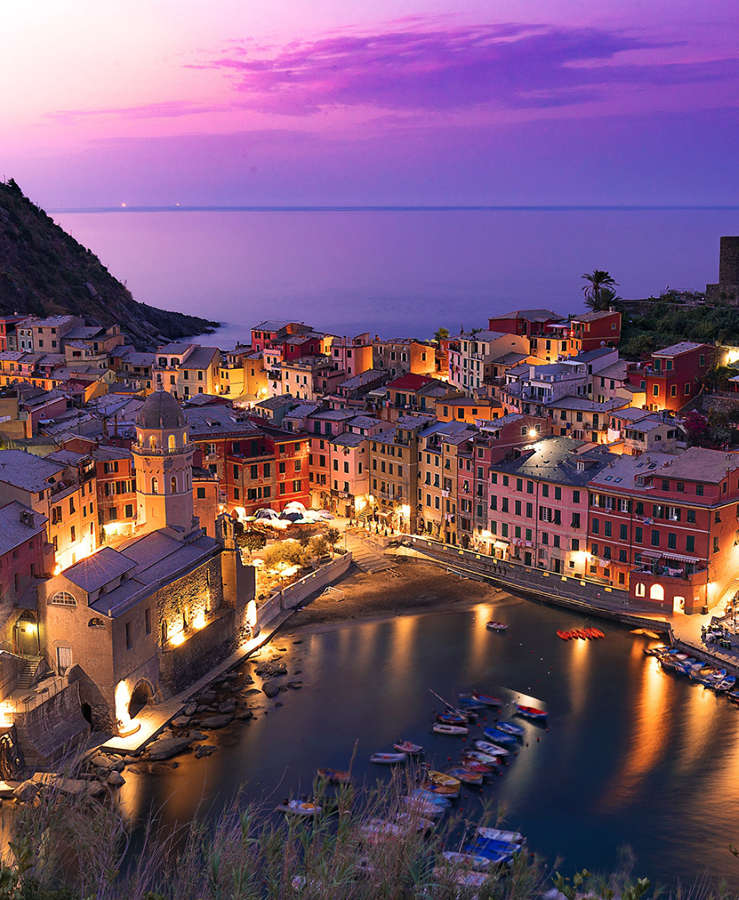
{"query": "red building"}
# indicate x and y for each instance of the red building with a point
(673, 377)
(664, 527)
(268, 333)
(25, 557)
(530, 322)
(116, 492)
(593, 330)
(255, 465)
(8, 325)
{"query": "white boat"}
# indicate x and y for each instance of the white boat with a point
(388, 759)
(492, 749)
(299, 808)
(482, 757)
(441, 728)
(418, 806)
(408, 747)
(496, 834)
(468, 860)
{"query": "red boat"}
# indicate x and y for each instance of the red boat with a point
(564, 635)
(530, 712)
(486, 699)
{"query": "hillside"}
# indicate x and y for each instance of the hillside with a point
(45, 271)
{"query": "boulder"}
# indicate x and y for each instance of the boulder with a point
(119, 764)
(271, 689)
(197, 736)
(207, 697)
(180, 722)
(217, 721)
(204, 750)
(165, 748)
(26, 791)
(245, 716)
(101, 761)
(295, 685)
(115, 779)
(227, 706)
(97, 788)
(190, 709)
(252, 691)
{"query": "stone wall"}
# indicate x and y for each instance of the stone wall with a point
(53, 729)
(296, 593)
(181, 666)
(178, 603)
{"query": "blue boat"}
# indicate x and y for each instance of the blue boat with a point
(495, 856)
(512, 728)
(499, 737)
(495, 844)
(429, 797)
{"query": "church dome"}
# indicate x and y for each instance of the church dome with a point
(160, 410)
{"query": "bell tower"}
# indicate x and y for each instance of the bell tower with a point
(163, 462)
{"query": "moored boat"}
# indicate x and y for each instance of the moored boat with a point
(455, 730)
(442, 779)
(492, 749)
(408, 747)
(499, 737)
(449, 718)
(485, 758)
(443, 790)
(299, 808)
(462, 877)
(511, 728)
(530, 712)
(466, 776)
(497, 834)
(467, 860)
(496, 626)
(388, 759)
(487, 699)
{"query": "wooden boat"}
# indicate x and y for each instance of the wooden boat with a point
(388, 759)
(408, 747)
(486, 699)
(442, 779)
(475, 765)
(484, 758)
(424, 808)
(511, 728)
(456, 730)
(466, 860)
(496, 834)
(335, 776)
(495, 856)
(448, 718)
(530, 712)
(430, 797)
(496, 626)
(500, 737)
(299, 808)
(442, 790)
(492, 749)
(466, 776)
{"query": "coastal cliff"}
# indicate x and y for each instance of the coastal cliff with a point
(45, 271)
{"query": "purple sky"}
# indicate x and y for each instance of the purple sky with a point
(336, 101)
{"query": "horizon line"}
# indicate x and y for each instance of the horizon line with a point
(523, 207)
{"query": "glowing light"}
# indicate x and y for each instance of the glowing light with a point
(360, 503)
(199, 621)
(405, 510)
(251, 613)
(7, 709)
(29, 627)
(486, 535)
(177, 638)
(533, 432)
(125, 723)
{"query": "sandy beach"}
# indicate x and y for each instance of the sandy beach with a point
(411, 586)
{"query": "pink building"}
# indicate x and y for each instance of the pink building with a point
(538, 504)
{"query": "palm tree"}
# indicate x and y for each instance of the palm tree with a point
(441, 334)
(599, 290)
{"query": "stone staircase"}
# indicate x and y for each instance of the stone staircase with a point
(367, 556)
(27, 672)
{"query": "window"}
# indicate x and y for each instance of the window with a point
(690, 515)
(173, 485)
(638, 534)
(654, 540)
(672, 540)
(62, 598)
(147, 621)
(690, 543)
(715, 545)
(63, 658)
(699, 490)
(640, 590)
(154, 486)
(129, 642)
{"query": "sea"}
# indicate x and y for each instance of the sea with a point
(395, 271)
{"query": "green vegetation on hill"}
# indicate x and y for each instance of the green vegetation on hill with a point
(669, 323)
(45, 271)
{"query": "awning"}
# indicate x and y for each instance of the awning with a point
(666, 554)
(500, 545)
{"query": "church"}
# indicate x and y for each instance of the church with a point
(140, 622)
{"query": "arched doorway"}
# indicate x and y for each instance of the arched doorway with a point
(26, 635)
(141, 695)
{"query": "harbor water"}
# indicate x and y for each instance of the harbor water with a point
(630, 755)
